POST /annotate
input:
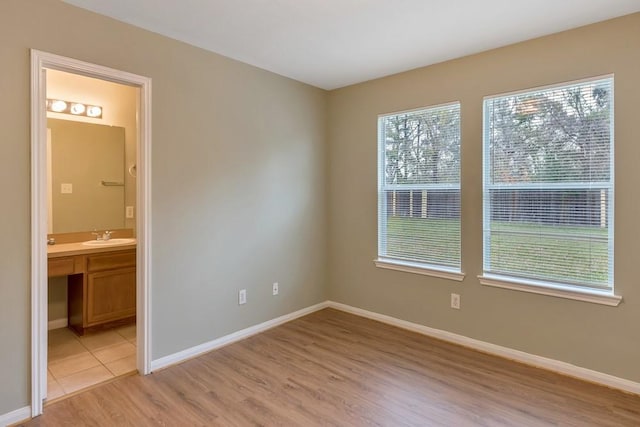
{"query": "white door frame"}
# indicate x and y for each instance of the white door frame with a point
(40, 61)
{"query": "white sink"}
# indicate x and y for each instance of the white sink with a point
(110, 242)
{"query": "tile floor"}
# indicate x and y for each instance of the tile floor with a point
(78, 362)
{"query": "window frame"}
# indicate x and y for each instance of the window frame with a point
(405, 265)
(568, 288)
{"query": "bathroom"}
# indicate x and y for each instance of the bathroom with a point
(92, 135)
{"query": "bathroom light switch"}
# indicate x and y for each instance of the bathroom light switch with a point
(129, 212)
(66, 188)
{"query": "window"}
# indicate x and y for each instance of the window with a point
(419, 190)
(548, 187)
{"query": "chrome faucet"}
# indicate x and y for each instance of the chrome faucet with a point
(106, 235)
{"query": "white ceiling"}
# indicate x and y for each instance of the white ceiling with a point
(335, 43)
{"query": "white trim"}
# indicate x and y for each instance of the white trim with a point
(198, 350)
(40, 61)
(418, 269)
(38, 232)
(497, 350)
(14, 417)
(57, 323)
(143, 228)
(442, 186)
(549, 87)
(416, 109)
(562, 185)
(585, 295)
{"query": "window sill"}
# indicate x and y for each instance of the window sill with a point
(409, 267)
(593, 296)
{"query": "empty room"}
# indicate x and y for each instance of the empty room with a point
(300, 213)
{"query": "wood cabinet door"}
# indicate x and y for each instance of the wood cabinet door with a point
(111, 295)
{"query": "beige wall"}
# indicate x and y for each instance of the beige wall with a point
(238, 193)
(593, 336)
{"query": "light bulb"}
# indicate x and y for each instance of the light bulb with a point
(94, 111)
(58, 106)
(77, 108)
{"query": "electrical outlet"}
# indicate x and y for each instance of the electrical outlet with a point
(242, 296)
(275, 288)
(455, 301)
(66, 188)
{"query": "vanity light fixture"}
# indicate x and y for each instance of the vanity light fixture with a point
(74, 108)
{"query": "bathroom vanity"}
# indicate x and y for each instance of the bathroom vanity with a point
(101, 283)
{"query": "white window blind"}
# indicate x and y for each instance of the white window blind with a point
(548, 185)
(419, 187)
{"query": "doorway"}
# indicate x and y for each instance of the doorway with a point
(139, 277)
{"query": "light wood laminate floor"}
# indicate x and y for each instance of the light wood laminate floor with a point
(332, 368)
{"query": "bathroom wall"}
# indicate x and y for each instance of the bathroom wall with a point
(238, 182)
(57, 298)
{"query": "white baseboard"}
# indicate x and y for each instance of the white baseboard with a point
(57, 323)
(557, 366)
(14, 417)
(189, 353)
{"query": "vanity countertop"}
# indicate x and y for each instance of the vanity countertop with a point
(69, 249)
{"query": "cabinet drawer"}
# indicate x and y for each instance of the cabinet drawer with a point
(112, 260)
(60, 266)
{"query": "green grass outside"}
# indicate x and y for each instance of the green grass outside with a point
(439, 246)
(566, 256)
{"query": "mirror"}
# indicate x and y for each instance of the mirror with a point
(86, 176)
